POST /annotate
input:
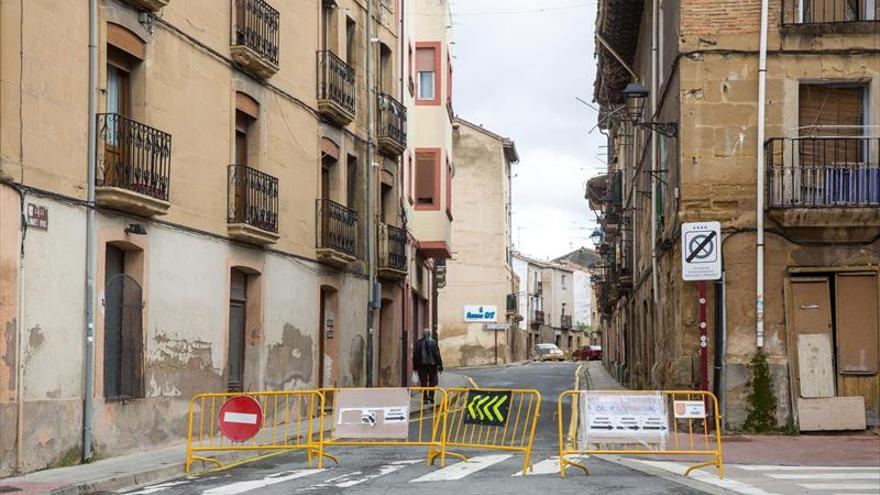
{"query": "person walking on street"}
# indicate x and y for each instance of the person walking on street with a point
(427, 362)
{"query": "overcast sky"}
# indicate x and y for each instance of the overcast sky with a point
(517, 72)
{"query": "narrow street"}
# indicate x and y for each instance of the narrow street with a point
(391, 470)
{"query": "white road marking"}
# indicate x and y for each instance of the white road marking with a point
(156, 488)
(549, 466)
(357, 477)
(246, 486)
(751, 467)
(826, 476)
(708, 477)
(840, 486)
(459, 470)
(243, 418)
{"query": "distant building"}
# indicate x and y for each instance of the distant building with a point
(476, 324)
(583, 262)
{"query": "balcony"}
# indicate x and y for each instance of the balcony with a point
(565, 322)
(337, 233)
(255, 37)
(133, 166)
(147, 5)
(392, 252)
(336, 89)
(824, 182)
(252, 212)
(391, 125)
(536, 319)
(829, 13)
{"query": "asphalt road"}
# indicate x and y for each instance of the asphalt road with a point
(396, 470)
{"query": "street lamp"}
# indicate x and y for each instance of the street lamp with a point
(636, 94)
(596, 237)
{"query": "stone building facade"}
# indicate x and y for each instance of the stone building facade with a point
(232, 212)
(821, 211)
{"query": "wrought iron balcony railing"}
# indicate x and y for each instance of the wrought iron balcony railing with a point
(813, 12)
(392, 247)
(391, 124)
(537, 317)
(255, 25)
(337, 227)
(133, 156)
(253, 198)
(823, 172)
(565, 322)
(336, 81)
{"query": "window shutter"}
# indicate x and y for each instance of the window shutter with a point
(830, 106)
(425, 60)
(425, 178)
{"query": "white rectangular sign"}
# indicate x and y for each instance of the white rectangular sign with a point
(480, 313)
(378, 413)
(496, 326)
(701, 251)
(689, 409)
(623, 418)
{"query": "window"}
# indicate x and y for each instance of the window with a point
(448, 79)
(427, 65)
(449, 188)
(563, 286)
(410, 65)
(428, 179)
(386, 71)
(246, 112)
(831, 109)
(661, 185)
(410, 172)
(351, 182)
(350, 54)
(123, 326)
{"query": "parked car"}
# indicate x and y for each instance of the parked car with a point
(548, 352)
(587, 353)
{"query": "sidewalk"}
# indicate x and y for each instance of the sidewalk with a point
(126, 470)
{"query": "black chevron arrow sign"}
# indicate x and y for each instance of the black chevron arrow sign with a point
(487, 407)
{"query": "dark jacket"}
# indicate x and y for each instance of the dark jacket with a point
(426, 352)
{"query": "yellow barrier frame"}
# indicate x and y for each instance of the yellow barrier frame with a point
(477, 436)
(565, 444)
(275, 433)
(436, 412)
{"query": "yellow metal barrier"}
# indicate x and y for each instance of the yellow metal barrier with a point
(688, 436)
(288, 424)
(512, 429)
(426, 426)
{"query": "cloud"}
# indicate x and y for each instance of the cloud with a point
(519, 74)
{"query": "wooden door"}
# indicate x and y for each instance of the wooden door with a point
(858, 340)
(813, 356)
(237, 325)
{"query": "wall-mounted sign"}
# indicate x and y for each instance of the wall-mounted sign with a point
(473, 313)
(496, 326)
(701, 251)
(689, 409)
(37, 216)
(378, 413)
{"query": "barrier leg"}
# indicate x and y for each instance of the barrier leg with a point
(713, 462)
(565, 463)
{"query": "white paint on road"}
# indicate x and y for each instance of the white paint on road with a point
(550, 466)
(246, 486)
(841, 486)
(357, 477)
(459, 470)
(156, 488)
(756, 467)
(826, 476)
(708, 477)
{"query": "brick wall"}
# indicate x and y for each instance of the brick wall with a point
(720, 17)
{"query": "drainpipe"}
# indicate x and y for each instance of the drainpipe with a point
(19, 344)
(759, 207)
(91, 241)
(655, 83)
(371, 230)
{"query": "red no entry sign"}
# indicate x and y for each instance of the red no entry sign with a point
(240, 418)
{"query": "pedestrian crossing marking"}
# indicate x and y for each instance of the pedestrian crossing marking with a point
(840, 486)
(274, 479)
(826, 476)
(549, 466)
(156, 488)
(757, 467)
(357, 477)
(459, 470)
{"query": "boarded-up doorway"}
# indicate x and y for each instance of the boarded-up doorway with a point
(834, 344)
